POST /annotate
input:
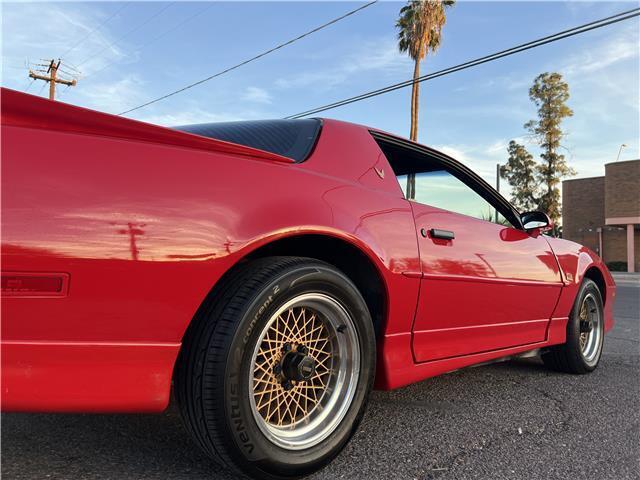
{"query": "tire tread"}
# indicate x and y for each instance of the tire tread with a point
(565, 358)
(203, 354)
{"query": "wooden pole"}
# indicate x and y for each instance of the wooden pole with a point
(497, 185)
(52, 78)
(53, 70)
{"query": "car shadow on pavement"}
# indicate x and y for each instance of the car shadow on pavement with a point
(494, 421)
(158, 446)
(102, 446)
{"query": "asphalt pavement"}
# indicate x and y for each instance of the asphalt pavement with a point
(513, 420)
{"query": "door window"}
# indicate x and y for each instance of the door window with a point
(441, 189)
(425, 178)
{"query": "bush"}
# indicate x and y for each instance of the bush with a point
(617, 266)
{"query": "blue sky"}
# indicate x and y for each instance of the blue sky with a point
(148, 49)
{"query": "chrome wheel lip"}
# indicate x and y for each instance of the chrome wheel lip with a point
(590, 342)
(334, 404)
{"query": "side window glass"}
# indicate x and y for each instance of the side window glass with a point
(441, 189)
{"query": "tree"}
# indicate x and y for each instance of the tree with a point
(535, 185)
(420, 24)
(520, 171)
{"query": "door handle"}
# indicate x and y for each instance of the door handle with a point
(443, 234)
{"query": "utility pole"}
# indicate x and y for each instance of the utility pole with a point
(497, 185)
(133, 230)
(51, 76)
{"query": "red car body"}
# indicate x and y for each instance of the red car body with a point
(114, 231)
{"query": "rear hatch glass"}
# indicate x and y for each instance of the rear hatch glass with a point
(293, 139)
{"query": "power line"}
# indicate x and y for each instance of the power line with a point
(144, 45)
(478, 61)
(102, 24)
(63, 92)
(277, 47)
(135, 29)
(72, 67)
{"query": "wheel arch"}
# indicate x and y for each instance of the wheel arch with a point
(593, 273)
(331, 247)
(342, 254)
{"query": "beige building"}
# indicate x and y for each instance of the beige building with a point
(603, 213)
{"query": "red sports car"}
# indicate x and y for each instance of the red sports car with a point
(270, 272)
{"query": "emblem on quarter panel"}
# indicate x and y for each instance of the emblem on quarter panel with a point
(379, 171)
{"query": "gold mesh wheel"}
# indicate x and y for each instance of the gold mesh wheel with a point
(304, 371)
(283, 401)
(591, 326)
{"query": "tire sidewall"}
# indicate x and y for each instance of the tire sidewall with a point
(258, 454)
(573, 334)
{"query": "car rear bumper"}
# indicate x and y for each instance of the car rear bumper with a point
(86, 377)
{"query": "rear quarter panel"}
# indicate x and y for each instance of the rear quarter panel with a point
(72, 203)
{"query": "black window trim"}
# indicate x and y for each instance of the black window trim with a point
(463, 173)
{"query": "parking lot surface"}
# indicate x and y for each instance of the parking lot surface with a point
(513, 420)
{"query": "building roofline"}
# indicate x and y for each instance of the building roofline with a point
(580, 179)
(622, 161)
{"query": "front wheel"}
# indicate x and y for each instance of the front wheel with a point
(276, 369)
(585, 334)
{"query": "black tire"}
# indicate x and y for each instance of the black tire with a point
(216, 356)
(569, 357)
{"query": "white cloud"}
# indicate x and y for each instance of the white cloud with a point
(457, 152)
(377, 55)
(618, 48)
(497, 147)
(483, 157)
(516, 110)
(65, 27)
(188, 117)
(115, 96)
(497, 83)
(191, 113)
(257, 95)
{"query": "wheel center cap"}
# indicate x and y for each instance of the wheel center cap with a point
(586, 326)
(297, 366)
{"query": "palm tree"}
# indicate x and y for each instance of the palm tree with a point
(420, 25)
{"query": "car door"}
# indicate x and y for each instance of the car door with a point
(486, 284)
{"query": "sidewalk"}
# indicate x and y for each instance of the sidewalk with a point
(626, 278)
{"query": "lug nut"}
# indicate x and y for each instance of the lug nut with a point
(286, 348)
(302, 349)
(287, 385)
(277, 369)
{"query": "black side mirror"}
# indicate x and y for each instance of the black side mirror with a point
(533, 220)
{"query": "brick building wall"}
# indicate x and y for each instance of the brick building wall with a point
(605, 211)
(583, 210)
(622, 189)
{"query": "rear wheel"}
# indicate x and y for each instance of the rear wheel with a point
(276, 368)
(585, 334)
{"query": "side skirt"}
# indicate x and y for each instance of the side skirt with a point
(396, 367)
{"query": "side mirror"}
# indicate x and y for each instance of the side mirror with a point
(536, 220)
